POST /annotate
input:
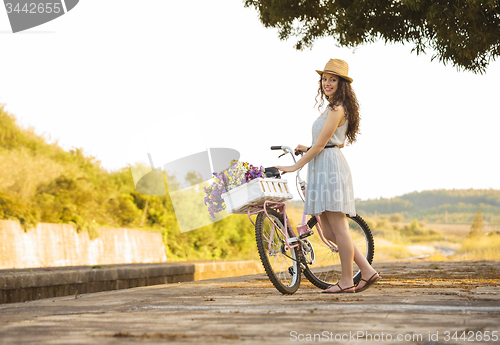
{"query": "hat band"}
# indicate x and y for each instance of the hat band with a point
(337, 73)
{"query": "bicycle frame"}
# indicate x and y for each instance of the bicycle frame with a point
(281, 207)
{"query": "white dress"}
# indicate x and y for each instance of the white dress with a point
(329, 180)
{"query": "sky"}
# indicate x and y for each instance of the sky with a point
(121, 79)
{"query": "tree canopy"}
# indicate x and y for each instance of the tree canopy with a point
(465, 33)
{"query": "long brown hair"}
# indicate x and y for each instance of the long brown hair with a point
(343, 95)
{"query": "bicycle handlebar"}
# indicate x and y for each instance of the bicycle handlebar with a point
(287, 149)
(283, 148)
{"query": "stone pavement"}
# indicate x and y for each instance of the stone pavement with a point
(414, 303)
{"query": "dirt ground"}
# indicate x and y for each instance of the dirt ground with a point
(415, 302)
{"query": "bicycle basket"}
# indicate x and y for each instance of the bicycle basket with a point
(257, 191)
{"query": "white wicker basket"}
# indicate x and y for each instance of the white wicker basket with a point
(255, 192)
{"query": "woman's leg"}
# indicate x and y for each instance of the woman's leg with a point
(366, 269)
(326, 228)
(340, 228)
(359, 258)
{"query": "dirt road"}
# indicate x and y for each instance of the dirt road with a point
(415, 302)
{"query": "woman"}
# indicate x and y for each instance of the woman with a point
(329, 191)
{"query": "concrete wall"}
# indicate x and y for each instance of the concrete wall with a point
(51, 245)
(22, 285)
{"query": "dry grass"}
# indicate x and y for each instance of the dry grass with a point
(480, 248)
(295, 214)
(391, 252)
(460, 230)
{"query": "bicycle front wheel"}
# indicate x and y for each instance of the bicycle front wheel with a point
(281, 264)
(323, 260)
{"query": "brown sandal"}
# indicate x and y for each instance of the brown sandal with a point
(368, 282)
(341, 290)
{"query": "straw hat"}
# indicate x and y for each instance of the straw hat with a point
(338, 67)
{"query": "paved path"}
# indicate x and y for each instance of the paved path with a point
(415, 300)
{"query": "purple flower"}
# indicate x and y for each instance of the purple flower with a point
(213, 199)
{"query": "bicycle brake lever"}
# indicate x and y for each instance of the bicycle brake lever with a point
(282, 155)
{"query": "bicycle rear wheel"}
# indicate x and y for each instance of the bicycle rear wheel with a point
(323, 261)
(281, 264)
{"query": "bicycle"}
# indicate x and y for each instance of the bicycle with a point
(286, 254)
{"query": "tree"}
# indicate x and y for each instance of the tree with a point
(465, 33)
(477, 227)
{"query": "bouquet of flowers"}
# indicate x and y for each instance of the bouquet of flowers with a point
(237, 174)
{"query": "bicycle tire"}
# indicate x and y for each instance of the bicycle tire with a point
(325, 272)
(283, 272)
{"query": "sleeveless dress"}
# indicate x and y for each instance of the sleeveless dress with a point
(329, 180)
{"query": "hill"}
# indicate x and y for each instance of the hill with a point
(41, 182)
(435, 206)
(439, 206)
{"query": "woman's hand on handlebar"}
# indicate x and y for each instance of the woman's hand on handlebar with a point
(285, 169)
(301, 148)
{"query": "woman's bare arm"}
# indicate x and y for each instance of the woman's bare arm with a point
(331, 123)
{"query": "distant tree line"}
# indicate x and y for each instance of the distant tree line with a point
(443, 206)
(439, 206)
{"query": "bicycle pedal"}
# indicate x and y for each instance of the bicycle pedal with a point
(306, 234)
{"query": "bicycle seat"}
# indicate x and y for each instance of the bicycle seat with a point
(272, 172)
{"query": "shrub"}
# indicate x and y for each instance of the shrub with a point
(396, 217)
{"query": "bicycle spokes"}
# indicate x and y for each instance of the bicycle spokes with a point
(326, 269)
(279, 259)
(277, 250)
